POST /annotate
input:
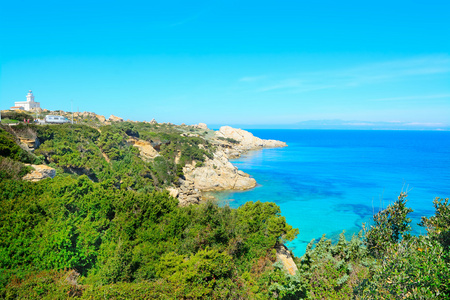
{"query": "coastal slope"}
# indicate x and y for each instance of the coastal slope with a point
(217, 173)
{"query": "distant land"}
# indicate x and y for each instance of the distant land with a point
(346, 125)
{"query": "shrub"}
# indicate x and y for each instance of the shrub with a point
(390, 225)
(438, 226)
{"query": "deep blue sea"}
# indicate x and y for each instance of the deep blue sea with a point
(327, 181)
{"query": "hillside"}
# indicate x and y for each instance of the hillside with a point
(116, 220)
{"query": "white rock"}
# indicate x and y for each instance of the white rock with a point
(40, 172)
(247, 141)
(146, 151)
(113, 118)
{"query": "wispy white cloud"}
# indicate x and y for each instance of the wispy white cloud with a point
(373, 73)
(423, 124)
(422, 97)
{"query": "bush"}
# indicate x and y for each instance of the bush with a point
(11, 169)
(390, 225)
(438, 226)
(417, 268)
(16, 115)
(9, 121)
(230, 140)
(10, 149)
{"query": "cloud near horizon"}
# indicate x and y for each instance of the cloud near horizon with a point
(422, 97)
(366, 74)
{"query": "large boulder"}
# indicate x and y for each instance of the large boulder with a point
(40, 172)
(101, 118)
(201, 126)
(218, 174)
(285, 257)
(146, 150)
(113, 118)
(247, 140)
(173, 191)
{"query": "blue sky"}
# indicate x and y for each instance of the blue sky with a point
(231, 62)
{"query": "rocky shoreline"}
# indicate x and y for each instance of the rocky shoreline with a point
(218, 173)
(213, 174)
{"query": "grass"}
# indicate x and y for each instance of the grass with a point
(9, 121)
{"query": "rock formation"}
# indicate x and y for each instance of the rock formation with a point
(113, 118)
(247, 141)
(146, 150)
(201, 126)
(36, 110)
(29, 144)
(87, 114)
(218, 174)
(187, 193)
(40, 172)
(285, 257)
(101, 118)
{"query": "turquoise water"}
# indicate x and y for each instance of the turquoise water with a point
(327, 181)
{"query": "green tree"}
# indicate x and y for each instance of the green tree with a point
(438, 226)
(390, 225)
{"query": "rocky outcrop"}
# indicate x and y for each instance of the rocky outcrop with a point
(285, 257)
(30, 144)
(146, 150)
(232, 153)
(113, 118)
(187, 193)
(173, 192)
(87, 114)
(101, 118)
(218, 174)
(36, 110)
(40, 172)
(247, 141)
(201, 126)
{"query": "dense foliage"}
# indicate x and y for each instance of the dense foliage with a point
(16, 115)
(106, 154)
(112, 236)
(12, 156)
(105, 228)
(9, 147)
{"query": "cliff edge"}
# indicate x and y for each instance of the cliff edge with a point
(247, 141)
(218, 173)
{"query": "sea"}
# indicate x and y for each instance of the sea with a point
(330, 181)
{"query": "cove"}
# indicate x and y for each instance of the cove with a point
(327, 181)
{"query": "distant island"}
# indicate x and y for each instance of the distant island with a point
(349, 125)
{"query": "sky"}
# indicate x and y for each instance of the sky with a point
(272, 63)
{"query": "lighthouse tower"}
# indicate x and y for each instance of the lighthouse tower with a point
(30, 97)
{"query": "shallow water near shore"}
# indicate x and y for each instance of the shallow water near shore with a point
(327, 181)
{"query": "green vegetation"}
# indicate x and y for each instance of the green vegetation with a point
(230, 140)
(112, 236)
(16, 115)
(105, 228)
(9, 121)
(105, 153)
(12, 156)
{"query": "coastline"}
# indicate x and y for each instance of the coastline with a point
(218, 173)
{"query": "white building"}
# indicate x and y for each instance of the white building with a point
(26, 105)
